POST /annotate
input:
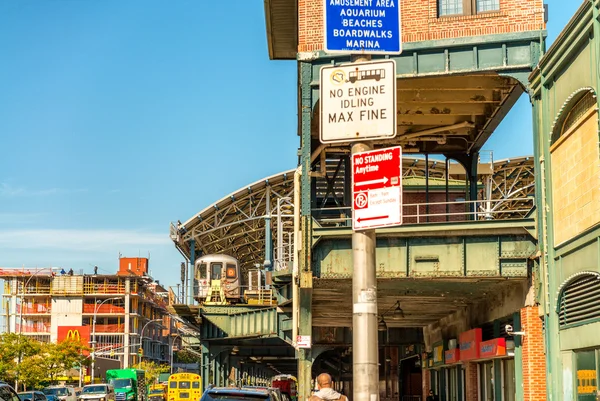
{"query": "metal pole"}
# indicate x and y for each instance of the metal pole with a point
(364, 316)
(141, 344)
(94, 337)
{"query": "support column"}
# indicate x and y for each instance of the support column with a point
(304, 255)
(305, 358)
(127, 325)
(365, 368)
(425, 381)
(268, 263)
(473, 182)
(12, 325)
(471, 392)
(533, 358)
(205, 364)
(191, 272)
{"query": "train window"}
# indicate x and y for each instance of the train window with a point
(231, 271)
(215, 271)
(203, 271)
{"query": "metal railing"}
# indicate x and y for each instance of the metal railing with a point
(440, 212)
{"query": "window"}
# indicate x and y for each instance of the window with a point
(486, 381)
(579, 301)
(587, 382)
(466, 7)
(488, 5)
(510, 388)
(450, 7)
(215, 271)
(203, 271)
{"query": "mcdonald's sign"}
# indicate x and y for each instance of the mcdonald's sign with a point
(74, 333)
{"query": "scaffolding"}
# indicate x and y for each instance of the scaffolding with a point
(33, 298)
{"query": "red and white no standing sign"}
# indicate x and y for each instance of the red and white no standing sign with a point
(377, 188)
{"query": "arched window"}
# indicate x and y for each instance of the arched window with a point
(579, 300)
(577, 105)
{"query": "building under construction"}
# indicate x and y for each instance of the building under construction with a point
(123, 316)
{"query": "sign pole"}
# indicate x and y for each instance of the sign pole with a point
(365, 347)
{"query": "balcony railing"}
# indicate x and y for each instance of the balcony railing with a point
(439, 212)
(33, 328)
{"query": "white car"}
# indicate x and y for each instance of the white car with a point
(62, 393)
(97, 392)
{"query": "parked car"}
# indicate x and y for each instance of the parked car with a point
(274, 392)
(32, 396)
(236, 394)
(7, 393)
(97, 392)
(62, 393)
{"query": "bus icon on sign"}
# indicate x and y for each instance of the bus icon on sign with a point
(365, 75)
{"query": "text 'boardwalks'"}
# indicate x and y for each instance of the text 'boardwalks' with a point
(363, 26)
(358, 101)
(377, 188)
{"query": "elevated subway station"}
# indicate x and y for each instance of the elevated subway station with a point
(450, 280)
(258, 337)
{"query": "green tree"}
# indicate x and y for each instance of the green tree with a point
(63, 356)
(185, 356)
(15, 347)
(152, 369)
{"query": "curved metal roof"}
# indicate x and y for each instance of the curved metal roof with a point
(235, 224)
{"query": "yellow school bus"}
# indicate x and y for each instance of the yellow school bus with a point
(185, 387)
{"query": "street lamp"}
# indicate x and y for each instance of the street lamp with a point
(94, 335)
(141, 344)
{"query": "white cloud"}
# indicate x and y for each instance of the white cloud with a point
(10, 191)
(79, 240)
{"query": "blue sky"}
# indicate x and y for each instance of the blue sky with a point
(117, 118)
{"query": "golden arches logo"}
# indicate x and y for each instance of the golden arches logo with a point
(73, 335)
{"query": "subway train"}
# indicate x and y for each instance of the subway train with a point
(218, 267)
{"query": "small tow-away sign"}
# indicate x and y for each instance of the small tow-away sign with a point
(303, 342)
(377, 188)
(358, 101)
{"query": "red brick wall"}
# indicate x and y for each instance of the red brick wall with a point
(534, 360)
(471, 381)
(420, 21)
(434, 197)
(426, 381)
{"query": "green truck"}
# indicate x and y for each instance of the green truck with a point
(129, 384)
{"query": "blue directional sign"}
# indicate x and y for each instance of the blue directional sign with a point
(363, 26)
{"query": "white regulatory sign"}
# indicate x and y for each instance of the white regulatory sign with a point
(358, 101)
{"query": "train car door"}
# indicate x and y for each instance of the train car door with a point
(203, 281)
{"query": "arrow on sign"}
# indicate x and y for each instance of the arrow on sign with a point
(381, 180)
(361, 219)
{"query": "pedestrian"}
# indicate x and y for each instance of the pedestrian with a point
(326, 393)
(70, 272)
(62, 271)
(95, 270)
(432, 397)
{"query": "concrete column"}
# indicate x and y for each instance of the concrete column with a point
(12, 324)
(127, 325)
(533, 358)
